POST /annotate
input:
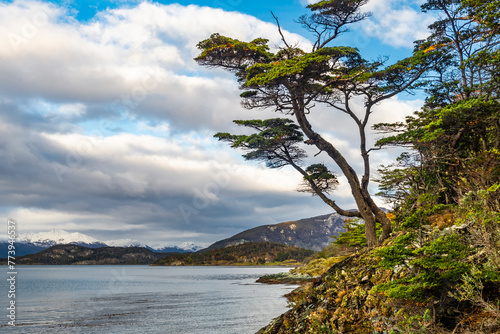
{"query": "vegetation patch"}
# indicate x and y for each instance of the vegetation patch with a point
(248, 254)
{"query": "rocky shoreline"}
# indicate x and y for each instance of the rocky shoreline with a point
(286, 278)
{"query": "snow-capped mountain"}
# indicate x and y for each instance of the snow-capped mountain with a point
(31, 243)
(161, 248)
(191, 246)
(124, 243)
(58, 237)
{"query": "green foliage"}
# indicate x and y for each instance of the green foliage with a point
(442, 267)
(354, 235)
(397, 253)
(441, 261)
(338, 7)
(415, 323)
(232, 54)
(292, 81)
(305, 65)
(455, 136)
(275, 143)
(422, 216)
(437, 265)
(321, 177)
(254, 253)
(319, 172)
(485, 11)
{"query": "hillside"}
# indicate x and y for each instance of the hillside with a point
(75, 254)
(439, 272)
(358, 293)
(310, 233)
(255, 253)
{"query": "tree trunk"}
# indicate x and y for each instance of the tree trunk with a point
(363, 203)
(370, 231)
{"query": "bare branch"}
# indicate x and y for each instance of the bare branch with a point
(279, 29)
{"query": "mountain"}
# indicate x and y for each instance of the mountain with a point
(310, 233)
(75, 254)
(190, 247)
(253, 253)
(123, 243)
(59, 237)
(32, 243)
(182, 248)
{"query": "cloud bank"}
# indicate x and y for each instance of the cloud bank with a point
(106, 126)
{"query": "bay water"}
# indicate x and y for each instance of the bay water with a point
(142, 299)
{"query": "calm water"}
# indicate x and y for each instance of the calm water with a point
(142, 299)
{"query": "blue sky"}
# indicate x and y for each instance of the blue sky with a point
(107, 122)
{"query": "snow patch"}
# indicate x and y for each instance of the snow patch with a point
(56, 237)
(124, 243)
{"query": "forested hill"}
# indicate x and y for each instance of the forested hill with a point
(310, 233)
(74, 254)
(254, 253)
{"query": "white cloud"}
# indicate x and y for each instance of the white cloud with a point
(140, 56)
(35, 219)
(341, 130)
(134, 183)
(396, 23)
(136, 165)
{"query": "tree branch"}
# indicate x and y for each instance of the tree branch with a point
(279, 29)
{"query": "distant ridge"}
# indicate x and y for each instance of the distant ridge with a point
(79, 255)
(310, 233)
(31, 243)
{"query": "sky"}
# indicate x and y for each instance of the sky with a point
(107, 122)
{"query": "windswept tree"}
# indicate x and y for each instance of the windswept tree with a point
(293, 81)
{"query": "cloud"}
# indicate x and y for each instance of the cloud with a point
(117, 122)
(106, 126)
(115, 186)
(397, 23)
(140, 58)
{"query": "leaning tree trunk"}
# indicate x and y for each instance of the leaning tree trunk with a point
(362, 202)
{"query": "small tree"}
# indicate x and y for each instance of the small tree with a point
(292, 81)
